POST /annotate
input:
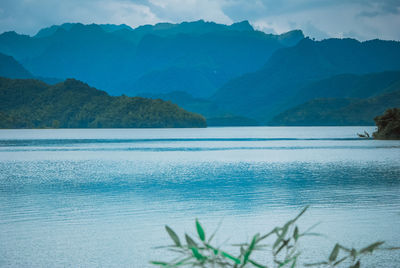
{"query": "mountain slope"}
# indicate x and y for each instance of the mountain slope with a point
(264, 94)
(9, 67)
(28, 103)
(347, 86)
(211, 58)
(214, 115)
(339, 111)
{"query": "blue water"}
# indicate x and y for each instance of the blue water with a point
(101, 198)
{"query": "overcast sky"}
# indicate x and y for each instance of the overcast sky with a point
(361, 19)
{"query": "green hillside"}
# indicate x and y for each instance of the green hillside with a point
(348, 86)
(28, 103)
(338, 111)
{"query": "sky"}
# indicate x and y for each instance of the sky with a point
(320, 19)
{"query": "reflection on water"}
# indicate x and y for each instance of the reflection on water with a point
(92, 198)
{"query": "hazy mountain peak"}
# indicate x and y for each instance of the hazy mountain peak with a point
(340, 41)
(53, 29)
(242, 26)
(193, 27)
(77, 27)
(291, 38)
(12, 35)
(114, 27)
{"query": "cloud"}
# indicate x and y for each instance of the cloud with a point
(362, 19)
(189, 10)
(324, 19)
(28, 16)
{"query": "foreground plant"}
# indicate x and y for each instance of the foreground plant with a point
(283, 250)
(350, 254)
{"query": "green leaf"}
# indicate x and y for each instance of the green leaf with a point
(190, 242)
(242, 251)
(200, 231)
(282, 235)
(175, 249)
(226, 255)
(285, 242)
(353, 253)
(339, 261)
(294, 263)
(215, 231)
(275, 230)
(197, 254)
(281, 264)
(334, 253)
(294, 259)
(250, 248)
(278, 240)
(312, 234)
(301, 213)
(357, 265)
(312, 227)
(215, 251)
(391, 248)
(173, 236)
(316, 264)
(371, 247)
(296, 233)
(345, 249)
(183, 261)
(160, 263)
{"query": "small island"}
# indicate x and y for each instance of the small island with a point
(30, 103)
(388, 125)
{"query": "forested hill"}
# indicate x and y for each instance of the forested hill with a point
(338, 111)
(346, 99)
(29, 103)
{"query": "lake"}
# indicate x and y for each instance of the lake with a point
(101, 197)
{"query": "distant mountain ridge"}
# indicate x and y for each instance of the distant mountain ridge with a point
(45, 32)
(159, 57)
(265, 93)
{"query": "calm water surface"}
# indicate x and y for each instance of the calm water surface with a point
(101, 198)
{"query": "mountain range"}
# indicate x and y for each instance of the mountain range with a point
(270, 90)
(231, 74)
(157, 59)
